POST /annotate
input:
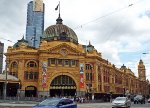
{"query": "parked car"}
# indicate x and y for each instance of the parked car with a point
(121, 102)
(148, 100)
(139, 99)
(56, 103)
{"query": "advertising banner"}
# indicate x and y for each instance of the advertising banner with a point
(44, 70)
(81, 81)
(81, 75)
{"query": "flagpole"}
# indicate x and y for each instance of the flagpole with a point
(59, 8)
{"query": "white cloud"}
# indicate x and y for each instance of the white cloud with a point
(111, 26)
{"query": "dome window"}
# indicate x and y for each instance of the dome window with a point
(63, 36)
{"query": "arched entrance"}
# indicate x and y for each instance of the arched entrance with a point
(62, 85)
(30, 91)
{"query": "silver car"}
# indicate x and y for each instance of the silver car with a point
(123, 102)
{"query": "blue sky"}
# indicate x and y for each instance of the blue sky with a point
(119, 29)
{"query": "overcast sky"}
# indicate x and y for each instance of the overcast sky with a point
(119, 29)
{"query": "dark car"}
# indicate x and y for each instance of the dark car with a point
(139, 99)
(56, 103)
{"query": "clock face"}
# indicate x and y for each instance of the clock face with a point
(140, 72)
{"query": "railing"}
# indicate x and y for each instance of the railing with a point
(23, 99)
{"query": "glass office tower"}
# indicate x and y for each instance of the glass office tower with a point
(35, 22)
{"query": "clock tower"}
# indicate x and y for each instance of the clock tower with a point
(141, 71)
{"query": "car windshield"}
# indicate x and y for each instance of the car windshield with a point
(139, 96)
(120, 99)
(49, 102)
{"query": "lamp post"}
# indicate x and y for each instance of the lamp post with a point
(5, 83)
(62, 86)
(18, 91)
(91, 88)
(111, 96)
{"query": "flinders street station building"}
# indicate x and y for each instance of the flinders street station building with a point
(61, 66)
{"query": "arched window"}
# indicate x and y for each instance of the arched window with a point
(63, 80)
(31, 64)
(14, 65)
(13, 70)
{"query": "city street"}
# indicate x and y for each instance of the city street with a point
(84, 105)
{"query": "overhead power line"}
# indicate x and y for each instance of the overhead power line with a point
(7, 40)
(118, 10)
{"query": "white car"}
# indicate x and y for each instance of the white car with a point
(148, 100)
(122, 102)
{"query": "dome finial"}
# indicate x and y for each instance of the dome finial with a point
(23, 38)
(59, 20)
(89, 42)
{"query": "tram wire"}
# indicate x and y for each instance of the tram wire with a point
(108, 14)
(6, 39)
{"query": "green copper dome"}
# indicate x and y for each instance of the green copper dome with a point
(16, 45)
(59, 32)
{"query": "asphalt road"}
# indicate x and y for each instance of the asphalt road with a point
(88, 105)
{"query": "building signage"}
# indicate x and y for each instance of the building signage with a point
(44, 70)
(81, 76)
(81, 81)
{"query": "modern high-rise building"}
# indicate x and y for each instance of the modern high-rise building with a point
(1, 56)
(35, 22)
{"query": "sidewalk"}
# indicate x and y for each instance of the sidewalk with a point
(9, 104)
(17, 103)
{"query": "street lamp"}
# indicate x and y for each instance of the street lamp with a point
(18, 91)
(91, 88)
(5, 83)
(62, 86)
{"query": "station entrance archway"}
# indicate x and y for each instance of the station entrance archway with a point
(30, 91)
(62, 85)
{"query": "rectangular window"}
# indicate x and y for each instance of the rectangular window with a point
(87, 76)
(60, 62)
(88, 67)
(26, 75)
(66, 62)
(35, 75)
(72, 62)
(31, 75)
(53, 61)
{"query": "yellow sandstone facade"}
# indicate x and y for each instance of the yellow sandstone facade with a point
(63, 67)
